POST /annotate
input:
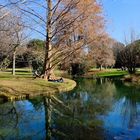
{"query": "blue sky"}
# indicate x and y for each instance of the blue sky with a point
(122, 17)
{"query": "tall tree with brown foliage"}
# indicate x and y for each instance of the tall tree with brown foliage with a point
(67, 25)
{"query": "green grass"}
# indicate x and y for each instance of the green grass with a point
(105, 73)
(23, 84)
(111, 73)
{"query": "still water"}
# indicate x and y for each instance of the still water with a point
(97, 109)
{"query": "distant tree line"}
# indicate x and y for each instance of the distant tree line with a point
(117, 55)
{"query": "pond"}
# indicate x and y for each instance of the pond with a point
(97, 109)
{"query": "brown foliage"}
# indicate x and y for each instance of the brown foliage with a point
(68, 25)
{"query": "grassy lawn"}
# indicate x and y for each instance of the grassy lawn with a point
(23, 84)
(105, 73)
(111, 73)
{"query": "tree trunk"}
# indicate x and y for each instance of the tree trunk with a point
(47, 109)
(14, 62)
(48, 49)
(132, 70)
(100, 67)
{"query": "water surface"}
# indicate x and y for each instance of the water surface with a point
(97, 109)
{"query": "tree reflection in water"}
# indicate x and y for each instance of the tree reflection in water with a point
(129, 96)
(95, 109)
(123, 121)
(8, 119)
(18, 121)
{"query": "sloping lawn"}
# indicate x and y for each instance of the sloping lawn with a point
(24, 85)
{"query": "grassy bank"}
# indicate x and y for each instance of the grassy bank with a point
(24, 85)
(111, 73)
(105, 73)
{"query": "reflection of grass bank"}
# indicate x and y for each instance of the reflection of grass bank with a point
(132, 78)
(105, 73)
(23, 85)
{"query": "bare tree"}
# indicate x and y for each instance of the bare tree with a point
(67, 25)
(103, 56)
(18, 40)
(11, 35)
(129, 56)
(6, 32)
